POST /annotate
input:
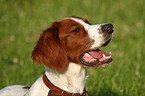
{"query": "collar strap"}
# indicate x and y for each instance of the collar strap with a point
(55, 91)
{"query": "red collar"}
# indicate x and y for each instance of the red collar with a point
(55, 91)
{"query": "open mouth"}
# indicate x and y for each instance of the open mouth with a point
(96, 58)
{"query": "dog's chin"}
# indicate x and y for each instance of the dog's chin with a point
(96, 58)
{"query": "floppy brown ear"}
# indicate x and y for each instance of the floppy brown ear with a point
(49, 51)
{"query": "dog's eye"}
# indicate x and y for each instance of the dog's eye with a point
(76, 29)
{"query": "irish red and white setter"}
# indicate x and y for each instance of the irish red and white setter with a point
(66, 49)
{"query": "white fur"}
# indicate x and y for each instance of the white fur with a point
(73, 80)
(14, 90)
(38, 89)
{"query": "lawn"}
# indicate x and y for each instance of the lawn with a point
(22, 21)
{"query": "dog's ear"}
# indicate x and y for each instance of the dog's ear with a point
(49, 51)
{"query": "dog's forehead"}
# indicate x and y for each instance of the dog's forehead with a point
(78, 20)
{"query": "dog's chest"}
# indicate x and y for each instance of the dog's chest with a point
(73, 80)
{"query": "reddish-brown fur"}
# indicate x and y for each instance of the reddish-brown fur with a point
(58, 45)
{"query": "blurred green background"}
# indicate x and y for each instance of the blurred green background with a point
(22, 21)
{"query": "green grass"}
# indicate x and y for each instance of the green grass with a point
(22, 21)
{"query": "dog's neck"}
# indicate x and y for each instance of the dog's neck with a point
(73, 80)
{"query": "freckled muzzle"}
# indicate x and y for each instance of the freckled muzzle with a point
(97, 58)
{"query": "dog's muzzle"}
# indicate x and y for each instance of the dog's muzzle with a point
(96, 58)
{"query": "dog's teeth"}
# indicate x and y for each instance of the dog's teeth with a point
(104, 56)
(87, 55)
(108, 57)
(103, 66)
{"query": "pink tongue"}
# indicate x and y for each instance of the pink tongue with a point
(97, 54)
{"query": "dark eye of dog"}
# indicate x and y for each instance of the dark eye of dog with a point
(76, 29)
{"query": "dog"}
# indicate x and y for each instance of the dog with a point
(66, 49)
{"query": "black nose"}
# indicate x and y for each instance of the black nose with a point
(107, 28)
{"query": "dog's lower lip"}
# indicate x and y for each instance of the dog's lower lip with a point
(106, 43)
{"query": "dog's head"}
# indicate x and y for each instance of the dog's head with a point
(73, 40)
